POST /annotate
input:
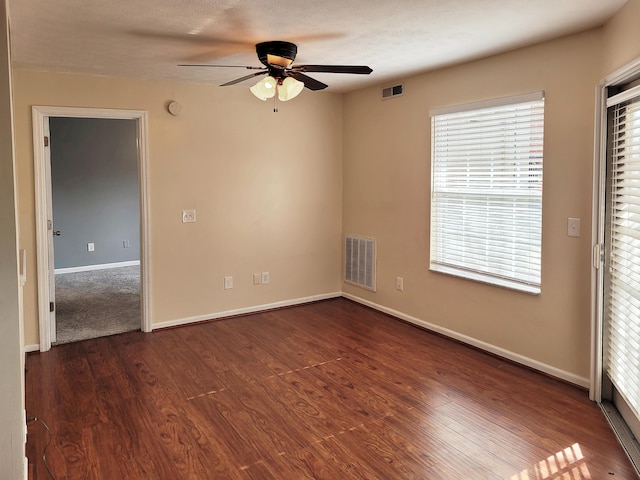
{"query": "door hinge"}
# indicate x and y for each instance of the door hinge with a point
(49, 225)
(52, 306)
(46, 141)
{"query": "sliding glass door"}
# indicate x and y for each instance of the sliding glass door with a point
(621, 301)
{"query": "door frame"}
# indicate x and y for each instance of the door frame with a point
(40, 115)
(598, 225)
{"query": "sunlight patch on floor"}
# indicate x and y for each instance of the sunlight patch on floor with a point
(567, 464)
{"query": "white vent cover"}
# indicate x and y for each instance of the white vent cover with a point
(393, 91)
(360, 261)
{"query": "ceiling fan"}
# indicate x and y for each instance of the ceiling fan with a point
(283, 78)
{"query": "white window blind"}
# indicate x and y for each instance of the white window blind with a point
(622, 359)
(486, 196)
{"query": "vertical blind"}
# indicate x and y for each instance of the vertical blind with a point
(622, 348)
(486, 197)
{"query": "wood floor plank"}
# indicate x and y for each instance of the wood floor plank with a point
(216, 357)
(411, 386)
(265, 422)
(224, 430)
(353, 391)
(301, 399)
(157, 437)
(309, 463)
(352, 457)
(427, 431)
(240, 363)
(329, 390)
(188, 364)
(385, 446)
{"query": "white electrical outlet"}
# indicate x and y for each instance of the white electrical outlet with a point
(91, 247)
(265, 278)
(125, 244)
(399, 283)
(256, 279)
(228, 283)
(188, 216)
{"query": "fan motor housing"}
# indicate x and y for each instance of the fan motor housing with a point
(277, 48)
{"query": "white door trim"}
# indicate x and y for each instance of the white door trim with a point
(51, 284)
(598, 224)
(39, 114)
(597, 242)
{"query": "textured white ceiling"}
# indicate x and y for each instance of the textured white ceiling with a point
(148, 38)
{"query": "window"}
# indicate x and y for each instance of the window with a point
(486, 191)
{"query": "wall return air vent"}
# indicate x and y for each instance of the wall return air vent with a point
(360, 261)
(394, 91)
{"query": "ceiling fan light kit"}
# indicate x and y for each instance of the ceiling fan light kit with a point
(289, 88)
(265, 88)
(286, 88)
(284, 78)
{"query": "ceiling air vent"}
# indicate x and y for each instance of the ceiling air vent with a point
(360, 261)
(391, 92)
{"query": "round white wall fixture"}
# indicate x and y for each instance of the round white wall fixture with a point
(174, 108)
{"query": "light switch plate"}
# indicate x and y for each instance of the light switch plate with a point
(573, 227)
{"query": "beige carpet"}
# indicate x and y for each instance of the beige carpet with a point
(97, 303)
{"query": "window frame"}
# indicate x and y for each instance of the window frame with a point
(467, 271)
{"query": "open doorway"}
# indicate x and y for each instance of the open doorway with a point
(96, 224)
(91, 207)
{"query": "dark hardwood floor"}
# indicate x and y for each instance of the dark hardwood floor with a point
(330, 390)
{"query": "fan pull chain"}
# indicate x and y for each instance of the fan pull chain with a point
(275, 102)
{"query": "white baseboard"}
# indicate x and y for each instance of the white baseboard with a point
(242, 311)
(31, 348)
(501, 352)
(102, 266)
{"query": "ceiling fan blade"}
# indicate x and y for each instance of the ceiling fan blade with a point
(218, 66)
(310, 83)
(242, 79)
(357, 69)
(197, 38)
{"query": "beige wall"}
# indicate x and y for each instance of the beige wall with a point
(267, 188)
(12, 419)
(387, 188)
(272, 193)
(621, 38)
